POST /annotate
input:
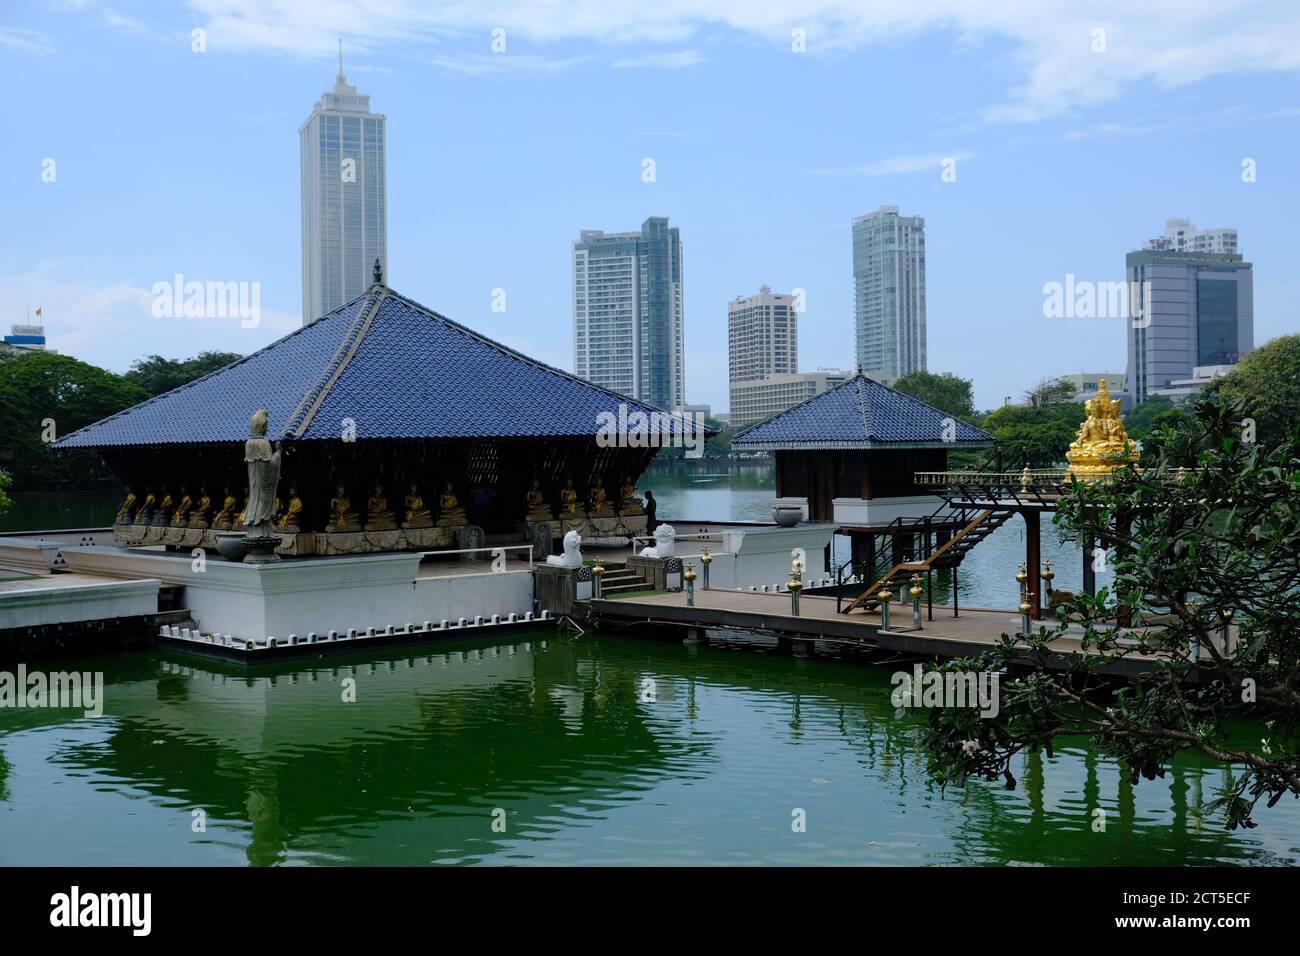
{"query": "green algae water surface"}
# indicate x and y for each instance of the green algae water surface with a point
(547, 749)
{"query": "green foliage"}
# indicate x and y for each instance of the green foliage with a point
(1050, 391)
(46, 396)
(5, 501)
(945, 392)
(1037, 436)
(156, 374)
(1138, 419)
(1266, 383)
(1190, 550)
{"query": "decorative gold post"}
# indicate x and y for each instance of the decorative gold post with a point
(597, 575)
(706, 559)
(796, 585)
(884, 596)
(689, 577)
(1047, 576)
(916, 591)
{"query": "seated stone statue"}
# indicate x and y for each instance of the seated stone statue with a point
(144, 514)
(163, 513)
(569, 500)
(126, 511)
(629, 503)
(224, 519)
(539, 509)
(450, 513)
(182, 513)
(343, 520)
(378, 515)
(199, 515)
(601, 506)
(289, 522)
(417, 515)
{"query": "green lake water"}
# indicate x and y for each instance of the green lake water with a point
(550, 749)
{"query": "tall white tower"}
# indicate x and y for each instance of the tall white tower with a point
(344, 198)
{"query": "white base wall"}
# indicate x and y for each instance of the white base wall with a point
(862, 511)
(29, 607)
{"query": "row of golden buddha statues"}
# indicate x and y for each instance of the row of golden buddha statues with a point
(162, 509)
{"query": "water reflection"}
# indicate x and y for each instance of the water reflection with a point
(588, 761)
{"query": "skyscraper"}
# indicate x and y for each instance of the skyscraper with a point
(762, 337)
(889, 291)
(344, 199)
(627, 312)
(1188, 310)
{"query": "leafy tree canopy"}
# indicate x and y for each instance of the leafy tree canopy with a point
(948, 393)
(1138, 419)
(1266, 384)
(46, 396)
(156, 374)
(1037, 436)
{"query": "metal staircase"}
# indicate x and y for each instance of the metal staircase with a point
(979, 524)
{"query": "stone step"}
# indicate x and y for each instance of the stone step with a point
(607, 589)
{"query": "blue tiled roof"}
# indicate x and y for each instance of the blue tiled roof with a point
(395, 368)
(860, 413)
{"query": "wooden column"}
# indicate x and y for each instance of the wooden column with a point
(1033, 562)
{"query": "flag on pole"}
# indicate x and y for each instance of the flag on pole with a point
(38, 311)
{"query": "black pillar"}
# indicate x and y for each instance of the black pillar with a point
(1033, 562)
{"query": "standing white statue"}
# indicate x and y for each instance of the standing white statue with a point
(665, 539)
(263, 476)
(572, 557)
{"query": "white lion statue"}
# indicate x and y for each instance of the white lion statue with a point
(665, 538)
(572, 557)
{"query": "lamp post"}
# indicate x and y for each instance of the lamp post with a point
(689, 577)
(1026, 609)
(796, 585)
(597, 573)
(884, 596)
(916, 591)
(706, 559)
(1047, 576)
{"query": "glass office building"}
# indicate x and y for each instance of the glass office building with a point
(628, 313)
(344, 199)
(889, 292)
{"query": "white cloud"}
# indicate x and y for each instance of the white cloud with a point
(664, 61)
(27, 41)
(1049, 43)
(912, 163)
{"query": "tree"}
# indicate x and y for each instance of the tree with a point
(948, 393)
(1050, 391)
(1037, 436)
(5, 501)
(1192, 550)
(1138, 419)
(45, 396)
(156, 374)
(1266, 383)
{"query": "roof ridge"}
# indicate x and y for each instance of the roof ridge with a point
(864, 406)
(193, 382)
(314, 397)
(933, 408)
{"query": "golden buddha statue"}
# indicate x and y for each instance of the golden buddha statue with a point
(182, 512)
(417, 515)
(125, 512)
(199, 516)
(289, 520)
(569, 500)
(1102, 444)
(145, 512)
(224, 519)
(601, 506)
(538, 507)
(165, 510)
(343, 519)
(629, 503)
(378, 517)
(450, 513)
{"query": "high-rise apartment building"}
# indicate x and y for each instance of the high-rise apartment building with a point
(1181, 236)
(759, 399)
(628, 312)
(889, 292)
(762, 335)
(344, 199)
(1187, 309)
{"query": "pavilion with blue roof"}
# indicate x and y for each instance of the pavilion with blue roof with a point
(858, 440)
(383, 391)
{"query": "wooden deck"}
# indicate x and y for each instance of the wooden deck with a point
(970, 634)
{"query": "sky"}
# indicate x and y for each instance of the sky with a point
(1076, 129)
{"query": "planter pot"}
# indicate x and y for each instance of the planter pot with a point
(233, 546)
(787, 516)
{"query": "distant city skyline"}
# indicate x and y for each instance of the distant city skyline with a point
(344, 198)
(492, 171)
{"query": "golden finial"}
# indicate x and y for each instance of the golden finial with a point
(689, 574)
(706, 558)
(916, 590)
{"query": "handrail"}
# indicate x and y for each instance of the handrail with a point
(489, 548)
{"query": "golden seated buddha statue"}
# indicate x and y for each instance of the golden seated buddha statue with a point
(378, 515)
(539, 509)
(224, 519)
(629, 502)
(1102, 444)
(199, 515)
(569, 501)
(125, 512)
(450, 513)
(417, 515)
(343, 520)
(601, 506)
(290, 521)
